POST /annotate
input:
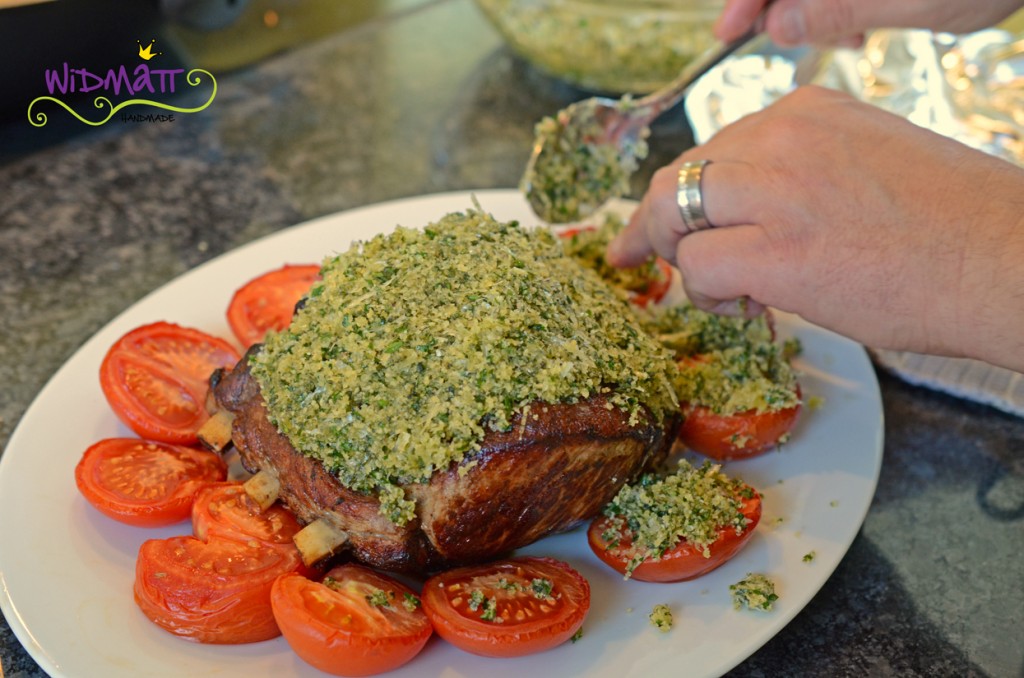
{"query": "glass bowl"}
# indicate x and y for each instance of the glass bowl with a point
(615, 46)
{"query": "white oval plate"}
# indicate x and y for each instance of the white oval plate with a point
(66, 571)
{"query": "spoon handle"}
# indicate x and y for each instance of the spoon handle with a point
(651, 106)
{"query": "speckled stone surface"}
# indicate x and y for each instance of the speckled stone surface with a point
(428, 100)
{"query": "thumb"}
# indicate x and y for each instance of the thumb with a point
(794, 22)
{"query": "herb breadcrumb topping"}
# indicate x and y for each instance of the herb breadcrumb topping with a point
(661, 617)
(692, 505)
(588, 246)
(727, 364)
(417, 342)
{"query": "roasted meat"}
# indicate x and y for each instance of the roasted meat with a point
(557, 466)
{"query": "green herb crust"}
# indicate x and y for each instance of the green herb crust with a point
(727, 364)
(416, 343)
(690, 505)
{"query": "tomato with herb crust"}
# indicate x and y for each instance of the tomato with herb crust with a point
(267, 302)
(508, 608)
(726, 437)
(225, 510)
(655, 287)
(215, 591)
(156, 379)
(356, 623)
(682, 562)
(145, 483)
(645, 284)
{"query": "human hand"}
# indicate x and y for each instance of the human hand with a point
(856, 220)
(843, 22)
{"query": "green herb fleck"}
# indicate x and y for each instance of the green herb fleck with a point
(380, 598)
(490, 612)
(541, 588)
(476, 599)
(506, 585)
(791, 348)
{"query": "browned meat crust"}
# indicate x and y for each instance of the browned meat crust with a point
(543, 476)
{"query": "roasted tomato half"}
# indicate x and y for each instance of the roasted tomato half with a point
(156, 379)
(145, 483)
(225, 510)
(508, 608)
(645, 284)
(357, 622)
(656, 287)
(682, 562)
(214, 591)
(725, 437)
(268, 301)
(736, 435)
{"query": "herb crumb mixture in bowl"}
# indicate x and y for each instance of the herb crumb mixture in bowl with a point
(607, 45)
(416, 342)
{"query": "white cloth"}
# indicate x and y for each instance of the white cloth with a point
(972, 379)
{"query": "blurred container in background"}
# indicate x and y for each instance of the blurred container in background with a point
(615, 46)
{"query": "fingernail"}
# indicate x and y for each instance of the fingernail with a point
(792, 25)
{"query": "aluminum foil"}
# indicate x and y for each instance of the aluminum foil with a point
(968, 87)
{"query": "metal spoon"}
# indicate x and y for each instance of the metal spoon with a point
(584, 156)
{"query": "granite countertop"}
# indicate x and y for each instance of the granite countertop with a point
(424, 98)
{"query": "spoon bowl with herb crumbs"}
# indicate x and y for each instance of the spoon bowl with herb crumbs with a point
(585, 155)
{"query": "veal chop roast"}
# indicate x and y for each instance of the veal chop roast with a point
(446, 395)
(533, 480)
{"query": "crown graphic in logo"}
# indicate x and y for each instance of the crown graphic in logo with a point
(147, 51)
